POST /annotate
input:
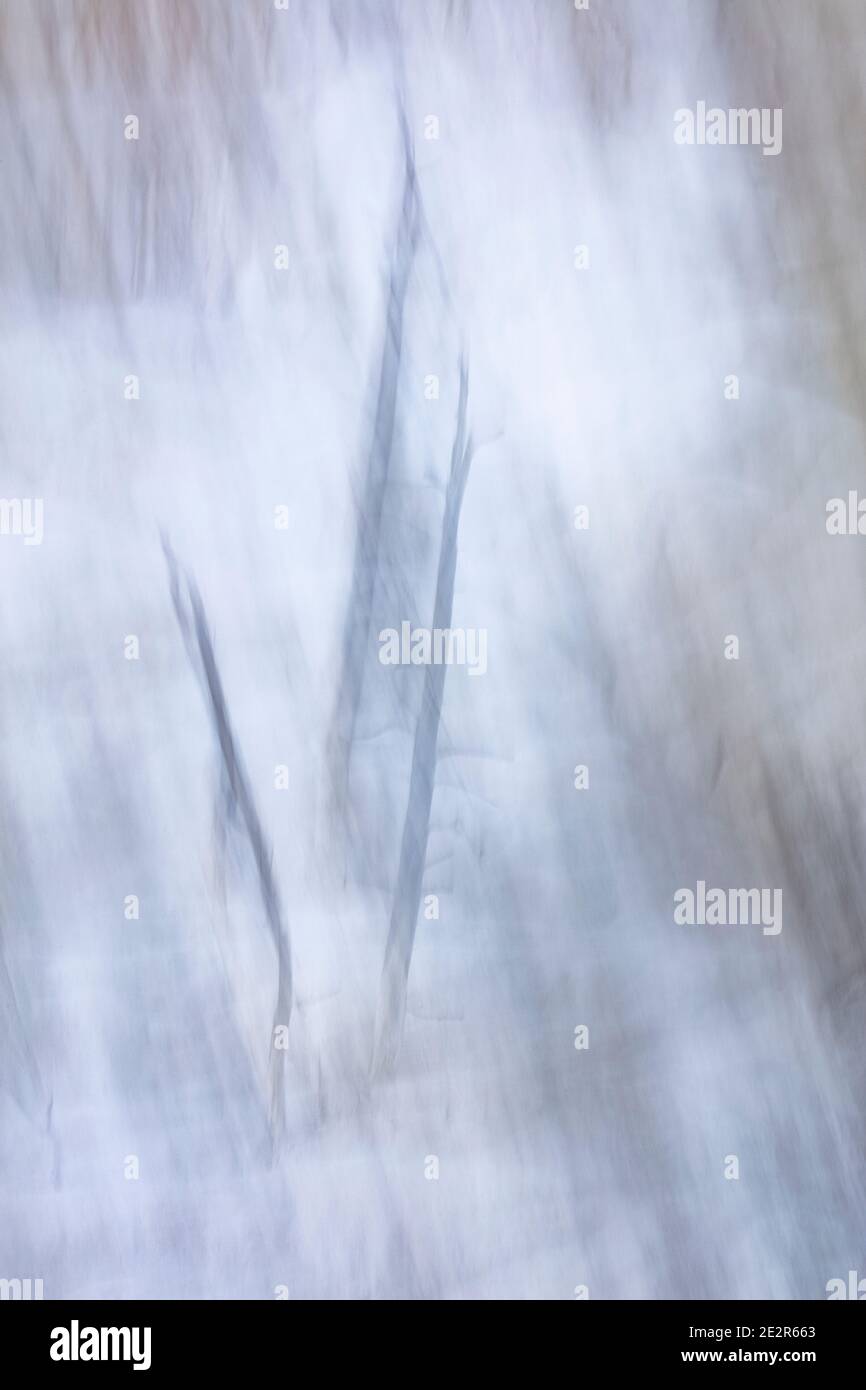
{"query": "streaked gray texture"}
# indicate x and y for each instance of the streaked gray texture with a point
(263, 906)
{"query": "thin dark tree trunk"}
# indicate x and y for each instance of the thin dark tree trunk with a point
(237, 800)
(416, 826)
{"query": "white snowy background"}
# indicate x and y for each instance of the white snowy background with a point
(305, 388)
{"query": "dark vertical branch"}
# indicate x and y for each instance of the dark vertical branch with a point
(371, 501)
(416, 826)
(237, 800)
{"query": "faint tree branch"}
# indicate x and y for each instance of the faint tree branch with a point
(416, 826)
(371, 502)
(237, 800)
